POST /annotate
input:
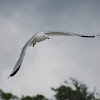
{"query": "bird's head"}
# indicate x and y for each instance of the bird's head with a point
(45, 36)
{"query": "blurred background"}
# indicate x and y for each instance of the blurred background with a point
(52, 61)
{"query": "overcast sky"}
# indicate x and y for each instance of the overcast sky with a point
(53, 61)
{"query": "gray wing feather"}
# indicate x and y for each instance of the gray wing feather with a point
(20, 60)
(57, 33)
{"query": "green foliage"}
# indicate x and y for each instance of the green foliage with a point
(38, 97)
(74, 90)
(80, 92)
(7, 96)
(26, 98)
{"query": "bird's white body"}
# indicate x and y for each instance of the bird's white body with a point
(38, 37)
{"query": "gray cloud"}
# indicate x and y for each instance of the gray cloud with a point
(51, 62)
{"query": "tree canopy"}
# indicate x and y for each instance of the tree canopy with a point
(74, 90)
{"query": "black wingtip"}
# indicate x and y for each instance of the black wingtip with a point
(88, 36)
(12, 74)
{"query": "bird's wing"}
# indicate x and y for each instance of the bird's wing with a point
(57, 33)
(19, 62)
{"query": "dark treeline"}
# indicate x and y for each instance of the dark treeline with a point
(73, 90)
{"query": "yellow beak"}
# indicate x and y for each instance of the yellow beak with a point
(48, 38)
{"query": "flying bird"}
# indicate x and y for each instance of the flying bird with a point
(38, 37)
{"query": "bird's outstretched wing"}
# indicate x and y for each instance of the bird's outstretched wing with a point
(19, 62)
(57, 33)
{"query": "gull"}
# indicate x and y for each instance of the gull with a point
(38, 37)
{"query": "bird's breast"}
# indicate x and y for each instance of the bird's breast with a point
(39, 39)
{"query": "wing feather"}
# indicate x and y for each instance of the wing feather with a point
(20, 60)
(58, 33)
